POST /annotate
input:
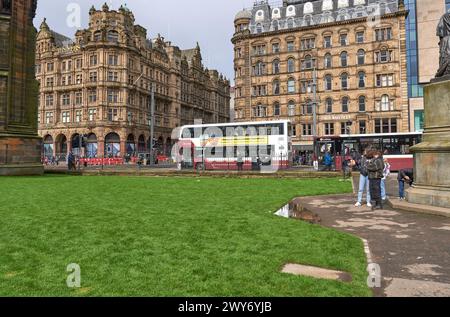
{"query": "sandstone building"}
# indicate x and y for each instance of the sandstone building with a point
(99, 86)
(360, 66)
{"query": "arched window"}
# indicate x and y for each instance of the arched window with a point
(361, 57)
(291, 65)
(261, 111)
(308, 62)
(97, 36)
(275, 25)
(276, 66)
(276, 109)
(345, 103)
(291, 108)
(259, 28)
(308, 107)
(328, 82)
(113, 36)
(385, 103)
(362, 104)
(291, 85)
(276, 87)
(361, 80)
(344, 58)
(329, 105)
(290, 23)
(344, 81)
(328, 61)
(259, 69)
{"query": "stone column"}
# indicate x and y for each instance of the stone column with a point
(20, 145)
(432, 156)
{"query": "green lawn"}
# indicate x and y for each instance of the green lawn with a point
(167, 237)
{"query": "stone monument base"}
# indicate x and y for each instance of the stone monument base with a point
(20, 155)
(432, 156)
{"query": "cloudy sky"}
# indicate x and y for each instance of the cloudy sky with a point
(184, 22)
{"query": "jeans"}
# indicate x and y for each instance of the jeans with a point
(383, 189)
(363, 184)
(401, 189)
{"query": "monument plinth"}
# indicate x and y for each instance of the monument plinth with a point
(20, 145)
(432, 156)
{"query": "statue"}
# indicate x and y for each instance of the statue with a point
(443, 31)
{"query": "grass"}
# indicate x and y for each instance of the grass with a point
(167, 237)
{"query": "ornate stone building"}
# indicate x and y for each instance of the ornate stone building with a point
(19, 142)
(99, 86)
(360, 66)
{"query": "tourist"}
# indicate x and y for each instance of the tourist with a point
(240, 162)
(386, 173)
(328, 161)
(375, 167)
(361, 165)
(405, 175)
(70, 161)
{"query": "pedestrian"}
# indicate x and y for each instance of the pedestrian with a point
(240, 162)
(70, 161)
(328, 161)
(361, 165)
(405, 175)
(375, 167)
(386, 173)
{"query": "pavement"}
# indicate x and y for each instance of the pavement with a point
(412, 249)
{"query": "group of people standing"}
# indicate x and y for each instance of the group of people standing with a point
(374, 170)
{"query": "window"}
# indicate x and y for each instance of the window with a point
(344, 58)
(306, 86)
(92, 114)
(65, 99)
(308, 62)
(113, 37)
(361, 57)
(259, 90)
(361, 80)
(307, 129)
(50, 67)
(343, 39)
(93, 77)
(78, 98)
(259, 28)
(360, 37)
(276, 66)
(329, 105)
(113, 114)
(291, 65)
(113, 96)
(276, 109)
(362, 127)
(275, 25)
(328, 61)
(383, 56)
(386, 125)
(291, 109)
(113, 76)
(345, 102)
(92, 95)
(362, 104)
(65, 116)
(98, 36)
(259, 50)
(275, 48)
(79, 79)
(78, 116)
(276, 87)
(344, 81)
(50, 82)
(48, 117)
(329, 128)
(385, 80)
(79, 63)
(93, 60)
(328, 83)
(307, 44)
(290, 46)
(259, 69)
(419, 120)
(383, 34)
(346, 127)
(308, 107)
(327, 42)
(113, 60)
(49, 100)
(290, 23)
(385, 103)
(291, 85)
(293, 130)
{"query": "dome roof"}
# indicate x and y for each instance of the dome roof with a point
(244, 14)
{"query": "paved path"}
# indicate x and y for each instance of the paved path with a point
(413, 250)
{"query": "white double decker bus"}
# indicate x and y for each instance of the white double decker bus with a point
(252, 145)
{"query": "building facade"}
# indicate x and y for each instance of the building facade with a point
(358, 69)
(422, 52)
(99, 86)
(19, 141)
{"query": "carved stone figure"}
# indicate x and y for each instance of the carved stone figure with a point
(443, 31)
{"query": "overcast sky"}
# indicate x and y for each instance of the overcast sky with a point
(184, 22)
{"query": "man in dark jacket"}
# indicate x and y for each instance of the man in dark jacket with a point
(406, 175)
(376, 173)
